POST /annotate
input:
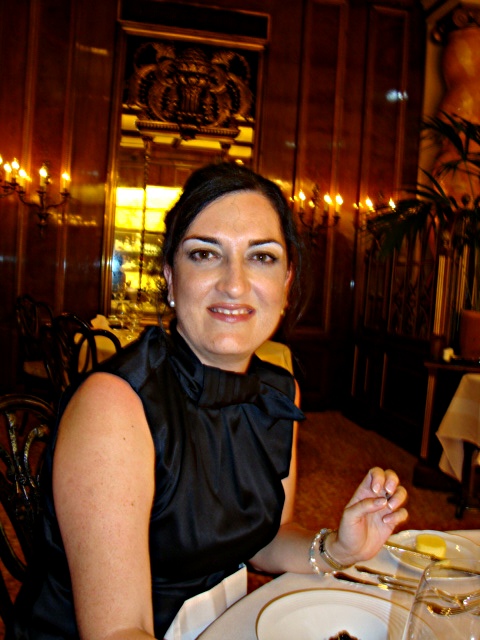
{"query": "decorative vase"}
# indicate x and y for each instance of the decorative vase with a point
(469, 334)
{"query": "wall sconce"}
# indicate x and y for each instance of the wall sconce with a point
(16, 180)
(313, 222)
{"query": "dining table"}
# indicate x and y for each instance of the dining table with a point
(105, 347)
(239, 622)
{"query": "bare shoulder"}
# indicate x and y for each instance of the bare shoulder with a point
(105, 417)
(104, 390)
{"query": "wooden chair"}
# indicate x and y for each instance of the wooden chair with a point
(71, 350)
(25, 425)
(31, 315)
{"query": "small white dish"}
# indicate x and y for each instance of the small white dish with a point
(457, 547)
(320, 614)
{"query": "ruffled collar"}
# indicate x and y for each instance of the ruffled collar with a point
(208, 387)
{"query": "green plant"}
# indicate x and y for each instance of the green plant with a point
(446, 205)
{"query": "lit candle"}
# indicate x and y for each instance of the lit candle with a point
(327, 201)
(391, 203)
(22, 177)
(43, 176)
(369, 204)
(338, 203)
(8, 170)
(15, 167)
(302, 197)
(65, 181)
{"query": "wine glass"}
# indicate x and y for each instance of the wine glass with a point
(123, 313)
(135, 315)
(447, 602)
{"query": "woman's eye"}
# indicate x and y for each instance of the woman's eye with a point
(200, 255)
(265, 258)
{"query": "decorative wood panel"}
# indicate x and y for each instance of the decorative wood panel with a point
(394, 299)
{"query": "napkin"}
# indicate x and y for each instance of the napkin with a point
(100, 322)
(198, 612)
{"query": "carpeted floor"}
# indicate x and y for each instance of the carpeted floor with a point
(333, 456)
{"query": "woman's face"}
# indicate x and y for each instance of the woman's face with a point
(230, 279)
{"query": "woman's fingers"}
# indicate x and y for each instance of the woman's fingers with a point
(376, 483)
(383, 482)
(398, 498)
(396, 517)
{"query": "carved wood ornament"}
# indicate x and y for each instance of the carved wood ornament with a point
(194, 91)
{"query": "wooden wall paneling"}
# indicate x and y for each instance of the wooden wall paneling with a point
(92, 83)
(393, 364)
(350, 150)
(15, 21)
(48, 63)
(383, 133)
(13, 88)
(277, 126)
(385, 106)
(321, 341)
(319, 133)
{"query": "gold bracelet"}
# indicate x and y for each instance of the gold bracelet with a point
(324, 533)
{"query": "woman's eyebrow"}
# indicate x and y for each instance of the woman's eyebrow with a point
(207, 239)
(216, 241)
(256, 243)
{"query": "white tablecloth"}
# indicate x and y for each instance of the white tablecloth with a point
(461, 423)
(238, 622)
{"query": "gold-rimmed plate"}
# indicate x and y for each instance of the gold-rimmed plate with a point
(320, 614)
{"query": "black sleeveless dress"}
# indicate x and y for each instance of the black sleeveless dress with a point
(223, 444)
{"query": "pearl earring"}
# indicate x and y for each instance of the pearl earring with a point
(172, 303)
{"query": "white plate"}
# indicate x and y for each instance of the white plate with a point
(319, 614)
(457, 547)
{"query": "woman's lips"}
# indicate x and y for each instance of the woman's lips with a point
(231, 314)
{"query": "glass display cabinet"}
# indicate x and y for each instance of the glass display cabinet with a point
(137, 245)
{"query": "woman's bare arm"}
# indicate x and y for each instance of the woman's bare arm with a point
(367, 521)
(103, 484)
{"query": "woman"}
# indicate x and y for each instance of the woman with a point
(176, 463)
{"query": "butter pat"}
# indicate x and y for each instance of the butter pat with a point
(431, 544)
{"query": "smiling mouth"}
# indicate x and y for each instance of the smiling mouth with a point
(231, 312)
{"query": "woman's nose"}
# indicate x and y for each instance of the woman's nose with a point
(234, 279)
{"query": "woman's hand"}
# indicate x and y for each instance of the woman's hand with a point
(370, 517)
